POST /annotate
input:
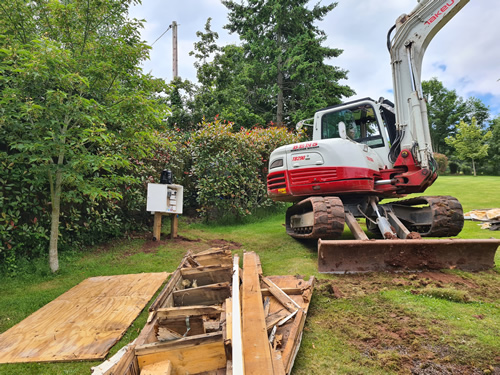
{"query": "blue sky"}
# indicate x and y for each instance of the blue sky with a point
(465, 55)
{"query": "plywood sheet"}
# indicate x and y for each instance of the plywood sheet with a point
(83, 323)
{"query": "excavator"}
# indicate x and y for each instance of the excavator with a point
(365, 151)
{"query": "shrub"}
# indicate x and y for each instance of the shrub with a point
(442, 162)
(229, 169)
(466, 169)
(454, 167)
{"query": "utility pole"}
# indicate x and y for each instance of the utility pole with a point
(174, 50)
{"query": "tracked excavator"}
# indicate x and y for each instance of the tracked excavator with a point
(365, 151)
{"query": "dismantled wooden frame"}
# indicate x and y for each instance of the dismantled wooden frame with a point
(213, 318)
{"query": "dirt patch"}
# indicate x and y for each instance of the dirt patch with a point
(230, 245)
(446, 278)
(396, 338)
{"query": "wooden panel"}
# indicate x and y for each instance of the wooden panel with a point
(190, 360)
(188, 355)
(83, 323)
(203, 295)
(256, 353)
(159, 368)
(205, 275)
(183, 311)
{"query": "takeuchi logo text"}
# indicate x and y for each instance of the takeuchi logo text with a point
(440, 12)
(302, 146)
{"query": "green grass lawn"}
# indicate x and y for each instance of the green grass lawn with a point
(377, 323)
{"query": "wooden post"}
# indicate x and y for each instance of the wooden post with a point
(157, 226)
(174, 223)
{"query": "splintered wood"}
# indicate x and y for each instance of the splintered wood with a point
(200, 325)
(83, 323)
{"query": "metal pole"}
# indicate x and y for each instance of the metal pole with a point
(174, 51)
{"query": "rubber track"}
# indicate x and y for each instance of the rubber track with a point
(328, 218)
(447, 215)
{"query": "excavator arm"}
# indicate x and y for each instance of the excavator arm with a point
(414, 32)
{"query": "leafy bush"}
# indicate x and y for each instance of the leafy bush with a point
(442, 162)
(466, 169)
(229, 169)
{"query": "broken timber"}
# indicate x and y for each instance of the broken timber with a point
(198, 321)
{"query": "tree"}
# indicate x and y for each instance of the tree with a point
(493, 160)
(289, 77)
(445, 110)
(470, 142)
(224, 82)
(72, 96)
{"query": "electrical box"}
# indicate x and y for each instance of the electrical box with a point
(165, 198)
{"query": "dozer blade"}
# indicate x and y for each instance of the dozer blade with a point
(354, 256)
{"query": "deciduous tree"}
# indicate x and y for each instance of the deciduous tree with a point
(470, 142)
(73, 97)
(445, 110)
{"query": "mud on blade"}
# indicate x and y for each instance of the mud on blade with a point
(354, 256)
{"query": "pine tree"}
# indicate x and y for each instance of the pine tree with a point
(289, 75)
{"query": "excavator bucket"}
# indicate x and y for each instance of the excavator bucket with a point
(355, 256)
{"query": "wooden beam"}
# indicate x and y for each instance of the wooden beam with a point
(292, 346)
(237, 359)
(191, 355)
(256, 353)
(290, 291)
(281, 296)
(157, 226)
(204, 295)
(205, 275)
(186, 342)
(183, 311)
(174, 225)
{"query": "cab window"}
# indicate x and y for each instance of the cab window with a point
(361, 125)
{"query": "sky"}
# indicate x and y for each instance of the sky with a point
(464, 55)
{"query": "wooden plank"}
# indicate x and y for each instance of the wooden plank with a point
(159, 368)
(109, 366)
(157, 226)
(174, 225)
(170, 286)
(167, 334)
(256, 353)
(214, 257)
(292, 346)
(281, 296)
(228, 328)
(83, 323)
(237, 363)
(193, 326)
(266, 292)
(182, 311)
(203, 295)
(278, 367)
(186, 342)
(205, 275)
(190, 360)
(275, 318)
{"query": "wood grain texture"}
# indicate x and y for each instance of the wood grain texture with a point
(83, 323)
(256, 353)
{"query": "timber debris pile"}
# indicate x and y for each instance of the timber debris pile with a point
(214, 318)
